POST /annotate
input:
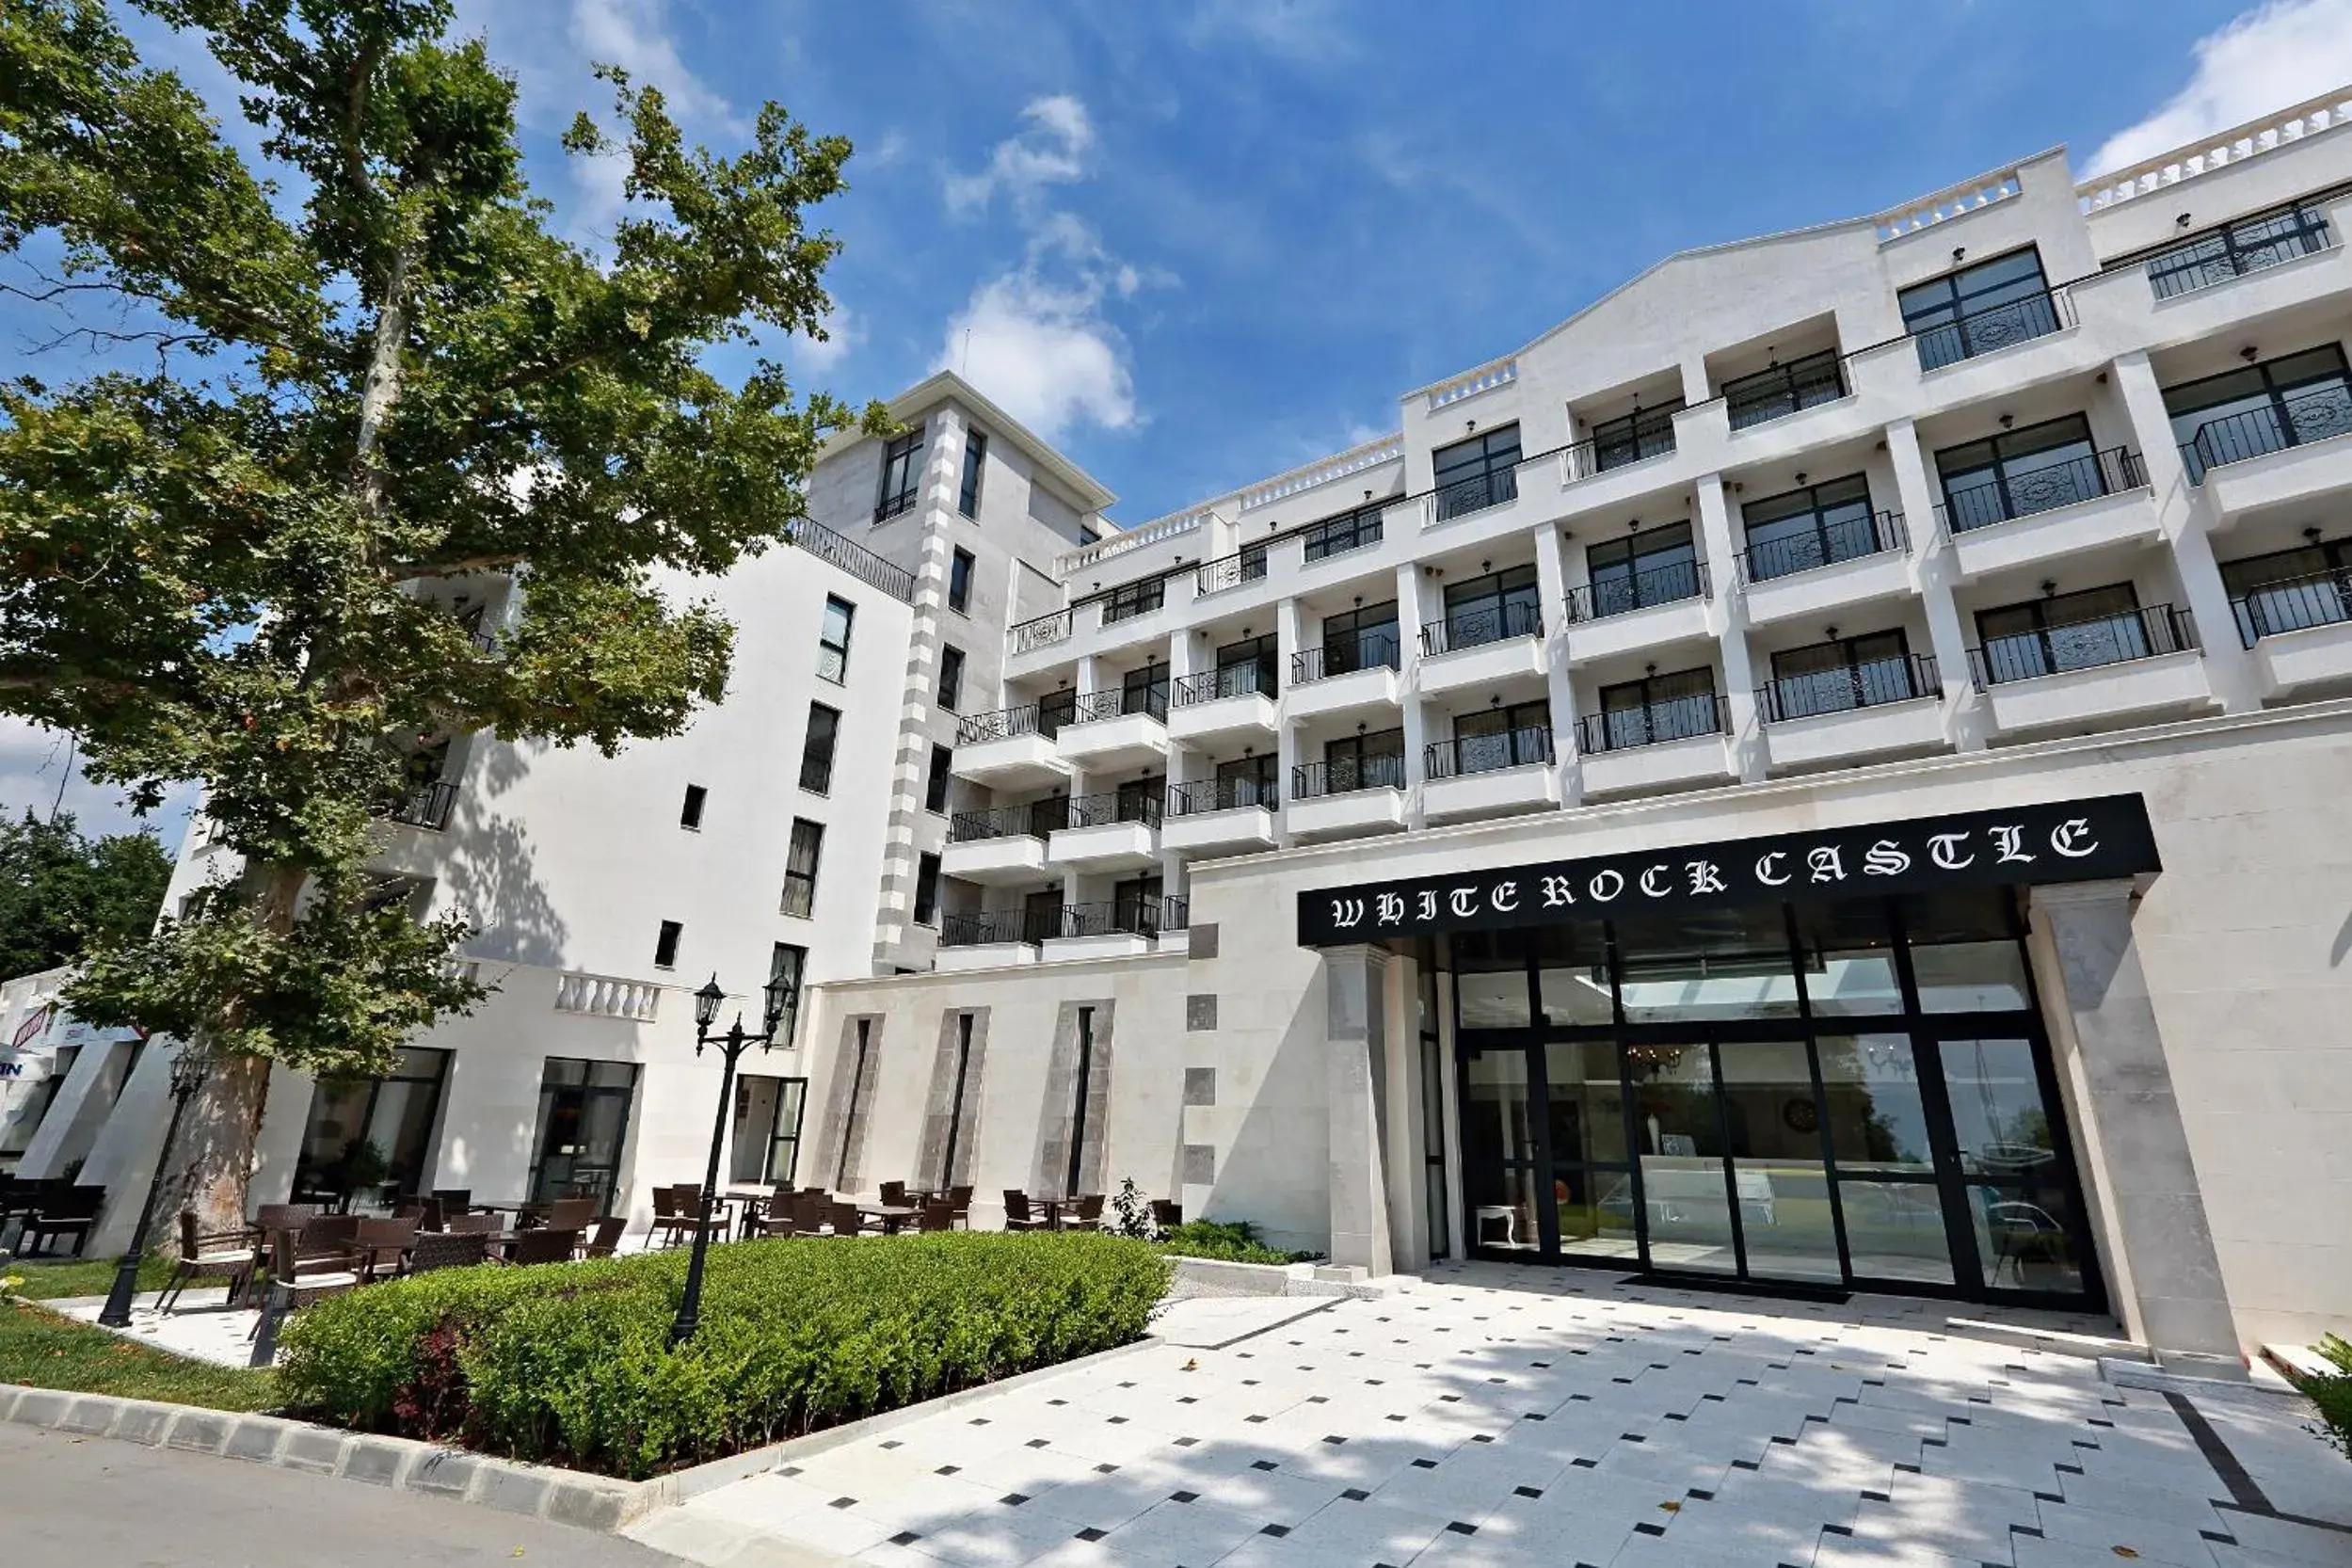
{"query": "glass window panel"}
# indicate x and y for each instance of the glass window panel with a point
(1572, 975)
(1878, 1121)
(1772, 1124)
(1707, 964)
(2026, 1237)
(1682, 1165)
(1999, 1122)
(1895, 1230)
(1502, 1210)
(1963, 954)
(1496, 1122)
(1848, 955)
(1490, 980)
(1587, 1101)
(1595, 1210)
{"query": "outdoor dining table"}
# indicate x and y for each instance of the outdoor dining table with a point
(892, 1215)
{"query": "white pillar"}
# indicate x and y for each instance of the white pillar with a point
(1727, 613)
(1934, 572)
(1551, 578)
(1411, 614)
(1289, 640)
(1355, 984)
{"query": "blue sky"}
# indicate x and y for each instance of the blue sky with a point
(1196, 242)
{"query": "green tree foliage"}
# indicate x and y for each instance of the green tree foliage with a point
(60, 891)
(375, 370)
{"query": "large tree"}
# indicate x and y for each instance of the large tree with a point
(62, 892)
(364, 366)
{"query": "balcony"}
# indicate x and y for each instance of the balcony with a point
(1108, 833)
(1224, 705)
(1995, 328)
(2143, 661)
(1618, 614)
(1117, 928)
(1229, 572)
(1355, 795)
(2309, 417)
(2226, 254)
(1474, 648)
(1475, 494)
(1227, 816)
(1006, 846)
(1344, 677)
(425, 805)
(1666, 744)
(1784, 390)
(1879, 705)
(2299, 629)
(1009, 750)
(1117, 730)
(990, 939)
(1488, 776)
(1847, 561)
(1041, 632)
(2019, 520)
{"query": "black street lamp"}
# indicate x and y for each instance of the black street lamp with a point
(188, 1071)
(731, 1047)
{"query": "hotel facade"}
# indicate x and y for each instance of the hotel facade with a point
(1826, 771)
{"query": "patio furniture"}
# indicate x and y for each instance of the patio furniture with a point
(605, 1239)
(1017, 1214)
(475, 1225)
(894, 1193)
(1088, 1214)
(73, 1213)
(437, 1249)
(434, 1216)
(844, 1218)
(299, 1275)
(673, 1221)
(218, 1255)
(885, 1217)
(938, 1214)
(572, 1214)
(960, 1200)
(544, 1245)
(784, 1222)
(1166, 1213)
(454, 1200)
(283, 1216)
(383, 1247)
(810, 1210)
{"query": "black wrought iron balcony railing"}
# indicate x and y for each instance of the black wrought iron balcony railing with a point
(1124, 918)
(1492, 623)
(1039, 631)
(2229, 252)
(2000, 497)
(2293, 604)
(1032, 821)
(1468, 754)
(1365, 651)
(2313, 415)
(1117, 703)
(425, 805)
(2147, 632)
(1141, 598)
(1221, 794)
(1995, 327)
(1135, 806)
(1383, 770)
(1461, 497)
(1621, 444)
(1230, 571)
(1784, 390)
(1620, 593)
(1866, 683)
(1255, 679)
(1353, 532)
(1680, 719)
(988, 928)
(1007, 723)
(854, 559)
(1829, 544)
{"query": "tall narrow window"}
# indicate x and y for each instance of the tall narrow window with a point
(1077, 1107)
(935, 783)
(902, 475)
(960, 581)
(785, 963)
(665, 945)
(975, 462)
(833, 640)
(955, 1105)
(950, 677)
(800, 867)
(690, 814)
(849, 1111)
(927, 889)
(816, 749)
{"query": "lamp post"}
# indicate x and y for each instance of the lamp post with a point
(731, 1047)
(188, 1071)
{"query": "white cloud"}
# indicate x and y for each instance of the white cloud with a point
(843, 331)
(1309, 32)
(33, 762)
(2279, 54)
(634, 35)
(1050, 149)
(1035, 339)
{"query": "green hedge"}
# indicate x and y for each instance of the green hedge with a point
(1226, 1241)
(569, 1363)
(2332, 1395)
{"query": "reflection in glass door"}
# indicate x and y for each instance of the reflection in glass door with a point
(1772, 1128)
(1680, 1132)
(584, 1125)
(1499, 1152)
(2020, 1203)
(1591, 1179)
(1887, 1185)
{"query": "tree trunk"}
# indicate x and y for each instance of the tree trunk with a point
(214, 1161)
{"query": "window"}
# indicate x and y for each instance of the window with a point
(1348, 531)
(1672, 707)
(1247, 667)
(393, 1116)
(2237, 248)
(800, 867)
(902, 475)
(2265, 408)
(927, 890)
(1135, 905)
(665, 945)
(1041, 916)
(975, 462)
(1633, 438)
(950, 677)
(1510, 736)
(1248, 781)
(1363, 762)
(955, 1105)
(935, 783)
(816, 750)
(785, 963)
(1478, 473)
(850, 1112)
(1656, 566)
(1488, 609)
(1078, 1104)
(1978, 309)
(2290, 589)
(960, 581)
(582, 1129)
(1145, 691)
(1130, 599)
(1360, 639)
(2069, 632)
(1783, 389)
(833, 639)
(764, 1146)
(1839, 675)
(2019, 473)
(1817, 526)
(690, 814)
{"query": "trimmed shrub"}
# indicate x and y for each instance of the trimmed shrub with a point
(569, 1363)
(2332, 1395)
(1226, 1241)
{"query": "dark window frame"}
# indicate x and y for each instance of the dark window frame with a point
(666, 941)
(902, 475)
(950, 677)
(804, 881)
(690, 810)
(1633, 438)
(1130, 599)
(1781, 389)
(961, 566)
(1353, 529)
(839, 673)
(927, 889)
(938, 778)
(975, 466)
(1475, 472)
(783, 956)
(816, 765)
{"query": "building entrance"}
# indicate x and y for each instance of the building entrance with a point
(1849, 1096)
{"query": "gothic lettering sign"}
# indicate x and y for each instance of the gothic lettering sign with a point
(2072, 841)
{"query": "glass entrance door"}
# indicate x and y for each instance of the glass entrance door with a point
(2011, 1177)
(1685, 1199)
(1501, 1155)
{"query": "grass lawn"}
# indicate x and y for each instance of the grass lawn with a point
(79, 1276)
(43, 1350)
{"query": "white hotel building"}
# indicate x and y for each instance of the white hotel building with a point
(1828, 770)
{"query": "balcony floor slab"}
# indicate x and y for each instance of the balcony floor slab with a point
(1234, 831)
(1652, 626)
(1822, 739)
(1001, 862)
(1118, 846)
(1224, 719)
(1667, 764)
(1823, 589)
(2169, 682)
(2314, 656)
(1376, 687)
(1497, 793)
(1341, 816)
(1014, 762)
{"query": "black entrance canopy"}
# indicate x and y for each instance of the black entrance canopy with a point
(2071, 840)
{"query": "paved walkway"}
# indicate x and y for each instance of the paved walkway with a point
(1486, 1415)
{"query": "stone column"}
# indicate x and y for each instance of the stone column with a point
(1355, 985)
(1289, 640)
(1551, 575)
(1727, 614)
(1935, 572)
(2168, 1277)
(1413, 608)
